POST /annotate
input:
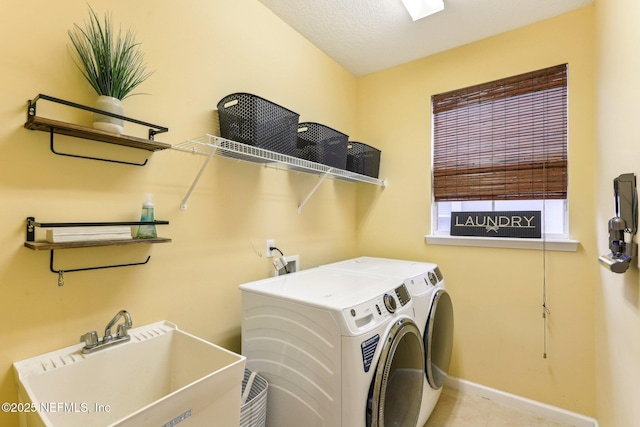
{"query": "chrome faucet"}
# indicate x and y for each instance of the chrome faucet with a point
(92, 343)
(122, 328)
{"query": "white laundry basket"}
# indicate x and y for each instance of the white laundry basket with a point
(253, 409)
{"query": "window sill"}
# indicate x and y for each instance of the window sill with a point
(566, 245)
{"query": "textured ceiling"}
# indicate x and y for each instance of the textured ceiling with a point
(366, 36)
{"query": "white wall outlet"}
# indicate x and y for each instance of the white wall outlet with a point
(270, 244)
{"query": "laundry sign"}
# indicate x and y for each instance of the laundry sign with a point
(523, 224)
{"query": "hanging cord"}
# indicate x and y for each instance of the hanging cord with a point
(282, 258)
(545, 309)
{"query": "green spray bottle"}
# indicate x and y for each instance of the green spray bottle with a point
(147, 231)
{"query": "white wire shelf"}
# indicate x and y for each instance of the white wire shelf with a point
(227, 148)
(210, 145)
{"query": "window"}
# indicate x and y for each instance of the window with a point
(502, 145)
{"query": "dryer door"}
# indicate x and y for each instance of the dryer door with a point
(396, 389)
(438, 339)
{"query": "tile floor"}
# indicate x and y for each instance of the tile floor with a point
(458, 409)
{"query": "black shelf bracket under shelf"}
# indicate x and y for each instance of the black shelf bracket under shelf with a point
(32, 110)
(101, 267)
(78, 156)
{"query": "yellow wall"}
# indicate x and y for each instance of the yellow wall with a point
(497, 293)
(201, 51)
(618, 297)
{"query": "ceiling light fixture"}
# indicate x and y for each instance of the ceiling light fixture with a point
(418, 9)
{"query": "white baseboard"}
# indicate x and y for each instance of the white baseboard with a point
(541, 409)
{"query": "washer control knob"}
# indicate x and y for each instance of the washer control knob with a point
(389, 303)
(433, 278)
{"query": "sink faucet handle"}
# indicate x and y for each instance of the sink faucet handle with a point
(90, 339)
(122, 330)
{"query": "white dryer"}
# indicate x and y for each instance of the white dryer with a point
(337, 349)
(433, 315)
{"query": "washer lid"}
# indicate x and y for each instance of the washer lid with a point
(387, 267)
(324, 288)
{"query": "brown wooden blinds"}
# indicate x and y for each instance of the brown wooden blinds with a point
(502, 140)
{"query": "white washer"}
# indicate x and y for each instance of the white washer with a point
(434, 315)
(337, 349)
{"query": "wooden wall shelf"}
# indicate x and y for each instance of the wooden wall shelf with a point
(31, 243)
(55, 127)
(62, 128)
(47, 246)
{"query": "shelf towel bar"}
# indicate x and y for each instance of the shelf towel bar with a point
(101, 267)
(78, 156)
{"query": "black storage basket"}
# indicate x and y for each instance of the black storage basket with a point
(363, 159)
(253, 120)
(322, 144)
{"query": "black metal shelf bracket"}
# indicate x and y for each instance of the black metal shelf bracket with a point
(77, 156)
(31, 229)
(61, 272)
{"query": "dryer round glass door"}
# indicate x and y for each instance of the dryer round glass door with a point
(438, 339)
(396, 389)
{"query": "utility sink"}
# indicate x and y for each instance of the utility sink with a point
(163, 377)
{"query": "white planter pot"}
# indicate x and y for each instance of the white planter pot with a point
(106, 123)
